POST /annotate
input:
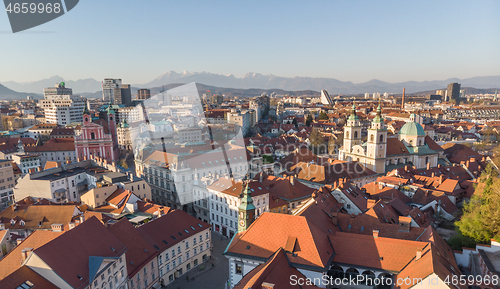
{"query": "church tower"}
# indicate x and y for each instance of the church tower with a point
(246, 210)
(87, 118)
(377, 143)
(352, 132)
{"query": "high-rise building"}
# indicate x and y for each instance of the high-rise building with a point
(325, 98)
(143, 93)
(123, 95)
(61, 106)
(115, 92)
(108, 89)
(453, 92)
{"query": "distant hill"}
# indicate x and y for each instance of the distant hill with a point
(9, 94)
(264, 82)
(79, 86)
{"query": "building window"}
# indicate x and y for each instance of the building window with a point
(239, 268)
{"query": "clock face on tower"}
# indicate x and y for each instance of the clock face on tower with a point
(242, 223)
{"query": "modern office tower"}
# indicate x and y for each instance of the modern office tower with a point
(453, 92)
(61, 106)
(115, 92)
(108, 89)
(143, 93)
(123, 95)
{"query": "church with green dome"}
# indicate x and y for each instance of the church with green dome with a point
(381, 153)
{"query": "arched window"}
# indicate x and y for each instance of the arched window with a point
(419, 142)
(347, 134)
(351, 272)
(336, 272)
(381, 138)
(426, 160)
(355, 135)
(86, 119)
(371, 138)
(411, 142)
(92, 135)
(368, 275)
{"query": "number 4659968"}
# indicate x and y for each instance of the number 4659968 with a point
(34, 8)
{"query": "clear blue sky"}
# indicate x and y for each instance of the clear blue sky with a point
(349, 40)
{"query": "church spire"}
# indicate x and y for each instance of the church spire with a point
(353, 115)
(246, 210)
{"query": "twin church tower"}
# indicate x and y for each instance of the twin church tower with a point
(371, 154)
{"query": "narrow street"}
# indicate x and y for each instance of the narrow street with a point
(210, 277)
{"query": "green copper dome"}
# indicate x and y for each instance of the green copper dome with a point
(246, 201)
(412, 129)
(124, 124)
(353, 115)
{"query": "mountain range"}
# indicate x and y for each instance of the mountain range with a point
(257, 81)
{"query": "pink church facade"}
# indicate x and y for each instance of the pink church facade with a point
(97, 139)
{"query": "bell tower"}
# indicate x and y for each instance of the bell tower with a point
(246, 210)
(377, 143)
(352, 131)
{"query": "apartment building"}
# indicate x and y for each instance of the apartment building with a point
(182, 242)
(7, 183)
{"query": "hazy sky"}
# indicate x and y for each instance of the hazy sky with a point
(349, 40)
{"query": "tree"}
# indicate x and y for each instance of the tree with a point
(317, 141)
(309, 119)
(323, 116)
(481, 216)
(294, 122)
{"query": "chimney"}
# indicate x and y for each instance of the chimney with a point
(441, 179)
(267, 285)
(292, 180)
(403, 100)
(261, 177)
(335, 219)
(418, 255)
(428, 166)
(439, 166)
(404, 223)
(433, 174)
(375, 233)
(467, 163)
(370, 203)
(71, 225)
(25, 253)
(84, 158)
(407, 168)
(82, 218)
(78, 159)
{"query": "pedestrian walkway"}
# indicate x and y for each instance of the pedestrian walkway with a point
(210, 277)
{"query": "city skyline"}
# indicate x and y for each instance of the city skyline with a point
(389, 41)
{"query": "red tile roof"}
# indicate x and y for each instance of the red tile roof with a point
(171, 228)
(139, 251)
(276, 271)
(13, 260)
(68, 255)
(310, 245)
